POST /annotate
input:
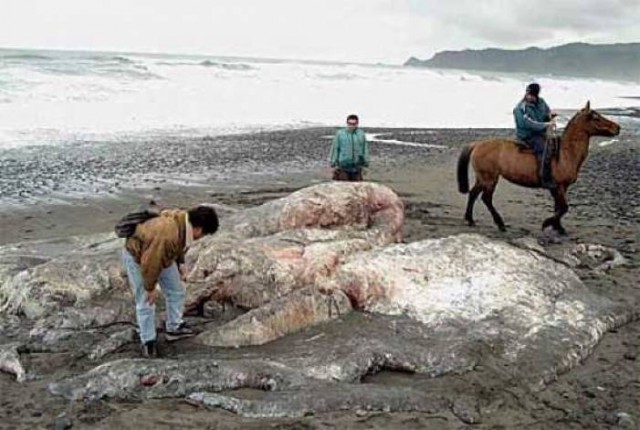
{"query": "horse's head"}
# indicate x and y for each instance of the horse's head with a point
(596, 124)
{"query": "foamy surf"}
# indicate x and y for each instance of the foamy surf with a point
(377, 137)
(52, 97)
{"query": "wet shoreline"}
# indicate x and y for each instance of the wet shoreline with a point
(93, 183)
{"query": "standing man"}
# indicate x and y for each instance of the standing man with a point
(349, 152)
(533, 117)
(151, 256)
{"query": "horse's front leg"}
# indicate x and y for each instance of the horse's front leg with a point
(562, 207)
(559, 195)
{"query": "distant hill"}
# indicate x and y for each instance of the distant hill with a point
(617, 61)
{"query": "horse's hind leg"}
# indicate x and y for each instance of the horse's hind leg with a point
(473, 195)
(487, 198)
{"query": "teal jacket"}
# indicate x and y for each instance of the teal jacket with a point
(531, 118)
(350, 150)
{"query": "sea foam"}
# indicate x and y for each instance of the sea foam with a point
(49, 98)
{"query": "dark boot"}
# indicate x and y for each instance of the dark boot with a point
(182, 332)
(546, 175)
(150, 349)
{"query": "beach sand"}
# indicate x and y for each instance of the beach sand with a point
(246, 170)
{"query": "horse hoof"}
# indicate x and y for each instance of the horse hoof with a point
(471, 223)
(502, 228)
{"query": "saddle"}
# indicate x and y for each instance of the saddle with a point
(552, 151)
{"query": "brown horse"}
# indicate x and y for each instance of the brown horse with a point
(494, 158)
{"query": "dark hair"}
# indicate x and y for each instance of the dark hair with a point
(533, 89)
(353, 117)
(204, 217)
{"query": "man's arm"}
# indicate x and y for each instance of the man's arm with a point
(531, 123)
(182, 268)
(547, 112)
(365, 150)
(335, 151)
(154, 259)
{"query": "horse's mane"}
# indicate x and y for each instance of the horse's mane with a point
(573, 119)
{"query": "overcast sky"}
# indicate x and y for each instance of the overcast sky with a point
(348, 30)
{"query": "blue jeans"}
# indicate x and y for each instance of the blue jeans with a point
(538, 144)
(145, 313)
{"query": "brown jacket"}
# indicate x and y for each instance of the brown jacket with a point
(158, 243)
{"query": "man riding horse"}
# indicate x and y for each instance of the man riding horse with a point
(497, 158)
(533, 118)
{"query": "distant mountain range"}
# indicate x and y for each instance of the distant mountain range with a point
(616, 61)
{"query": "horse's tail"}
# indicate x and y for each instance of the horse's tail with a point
(463, 169)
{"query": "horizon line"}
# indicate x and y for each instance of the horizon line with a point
(247, 57)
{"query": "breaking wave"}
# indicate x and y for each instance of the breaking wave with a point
(49, 97)
(226, 66)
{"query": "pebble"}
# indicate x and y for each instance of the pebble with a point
(467, 411)
(62, 422)
(624, 421)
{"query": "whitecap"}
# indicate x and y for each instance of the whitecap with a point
(77, 95)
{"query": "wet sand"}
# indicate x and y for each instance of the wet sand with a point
(605, 209)
(80, 188)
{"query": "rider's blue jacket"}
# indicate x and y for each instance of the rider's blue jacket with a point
(531, 118)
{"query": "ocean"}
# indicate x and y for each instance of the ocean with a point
(52, 97)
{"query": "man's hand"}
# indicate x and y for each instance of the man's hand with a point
(152, 296)
(183, 272)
